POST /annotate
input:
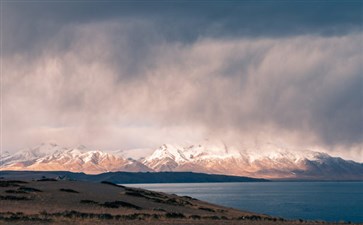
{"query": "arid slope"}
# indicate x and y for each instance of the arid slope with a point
(73, 202)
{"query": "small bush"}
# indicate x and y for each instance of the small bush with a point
(15, 192)
(130, 216)
(29, 189)
(253, 217)
(195, 217)
(116, 204)
(47, 179)
(206, 209)
(13, 198)
(177, 201)
(68, 190)
(149, 194)
(159, 209)
(135, 194)
(88, 202)
(11, 183)
(188, 197)
(105, 216)
(212, 217)
(110, 205)
(156, 216)
(111, 183)
(174, 215)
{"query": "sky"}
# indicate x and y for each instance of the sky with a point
(138, 74)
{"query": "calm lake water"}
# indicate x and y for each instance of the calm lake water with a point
(329, 201)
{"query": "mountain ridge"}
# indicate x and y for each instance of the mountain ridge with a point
(275, 162)
(129, 177)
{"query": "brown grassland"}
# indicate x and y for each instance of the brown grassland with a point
(49, 201)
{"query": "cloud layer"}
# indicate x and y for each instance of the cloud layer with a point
(123, 80)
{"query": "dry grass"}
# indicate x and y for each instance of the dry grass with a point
(75, 202)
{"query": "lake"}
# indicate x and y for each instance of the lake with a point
(329, 201)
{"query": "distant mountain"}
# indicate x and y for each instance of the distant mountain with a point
(268, 160)
(129, 177)
(51, 157)
(28, 157)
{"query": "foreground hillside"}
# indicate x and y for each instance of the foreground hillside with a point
(48, 201)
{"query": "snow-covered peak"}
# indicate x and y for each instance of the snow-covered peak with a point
(218, 156)
(167, 151)
(268, 160)
(31, 154)
(82, 154)
(135, 154)
(182, 154)
(80, 159)
(45, 148)
(275, 151)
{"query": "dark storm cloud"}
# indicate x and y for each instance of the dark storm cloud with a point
(29, 24)
(340, 115)
(135, 74)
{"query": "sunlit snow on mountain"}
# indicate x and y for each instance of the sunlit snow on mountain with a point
(264, 160)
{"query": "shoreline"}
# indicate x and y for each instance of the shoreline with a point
(50, 201)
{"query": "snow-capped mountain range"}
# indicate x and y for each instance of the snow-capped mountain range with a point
(263, 160)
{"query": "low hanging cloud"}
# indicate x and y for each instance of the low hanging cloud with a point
(117, 83)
